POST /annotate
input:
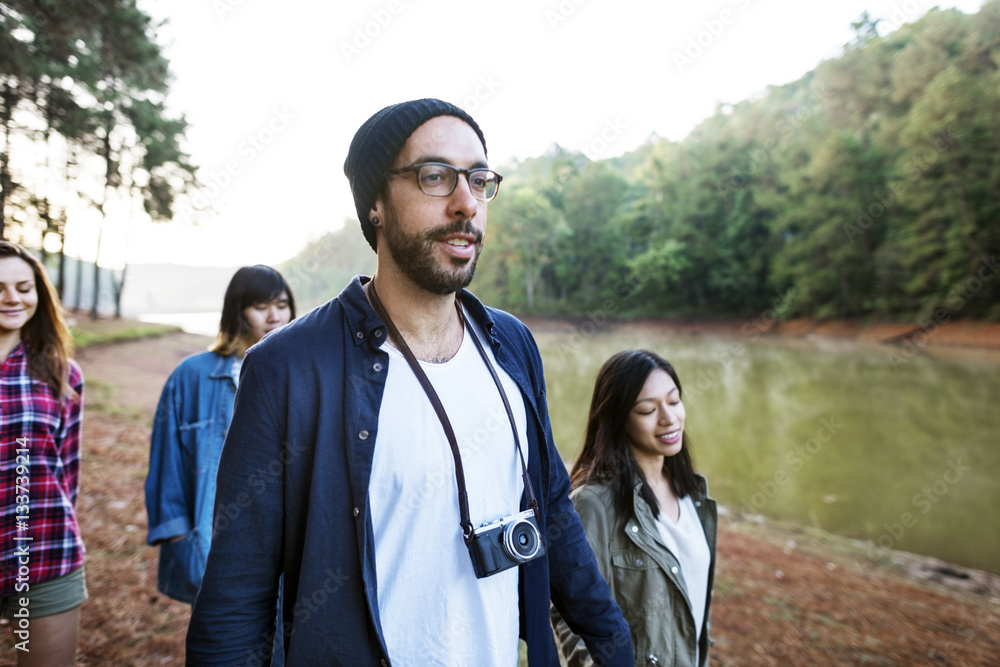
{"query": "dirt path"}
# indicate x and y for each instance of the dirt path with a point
(125, 621)
(784, 595)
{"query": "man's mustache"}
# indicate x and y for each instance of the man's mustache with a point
(458, 227)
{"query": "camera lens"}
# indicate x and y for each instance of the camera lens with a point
(521, 540)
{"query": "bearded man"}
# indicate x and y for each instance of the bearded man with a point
(391, 452)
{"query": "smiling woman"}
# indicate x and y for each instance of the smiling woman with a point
(647, 514)
(41, 401)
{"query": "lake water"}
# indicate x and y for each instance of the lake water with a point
(854, 438)
(203, 324)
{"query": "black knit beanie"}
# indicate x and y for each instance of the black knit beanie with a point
(377, 143)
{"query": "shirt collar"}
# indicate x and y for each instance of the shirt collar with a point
(365, 324)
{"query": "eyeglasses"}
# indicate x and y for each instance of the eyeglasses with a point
(439, 180)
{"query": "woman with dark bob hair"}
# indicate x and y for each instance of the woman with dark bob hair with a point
(190, 427)
(646, 512)
(41, 406)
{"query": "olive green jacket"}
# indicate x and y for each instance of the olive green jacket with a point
(644, 578)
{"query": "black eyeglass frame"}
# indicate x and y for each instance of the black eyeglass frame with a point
(415, 169)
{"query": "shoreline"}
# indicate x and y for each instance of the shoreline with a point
(929, 333)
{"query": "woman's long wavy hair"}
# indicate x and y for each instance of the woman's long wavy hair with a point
(47, 338)
(606, 457)
(249, 286)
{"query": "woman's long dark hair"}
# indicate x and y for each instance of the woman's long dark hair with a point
(606, 457)
(46, 336)
(249, 286)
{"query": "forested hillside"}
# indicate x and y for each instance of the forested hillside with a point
(868, 188)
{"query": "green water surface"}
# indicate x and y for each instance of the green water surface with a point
(866, 440)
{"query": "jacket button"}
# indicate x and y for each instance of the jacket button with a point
(377, 367)
(652, 660)
(638, 562)
(697, 503)
(378, 333)
(360, 335)
(674, 569)
(635, 529)
(357, 512)
(385, 663)
(362, 434)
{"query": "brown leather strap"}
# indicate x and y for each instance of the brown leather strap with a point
(411, 359)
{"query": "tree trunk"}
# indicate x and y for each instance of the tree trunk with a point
(119, 286)
(78, 302)
(9, 100)
(108, 176)
(61, 276)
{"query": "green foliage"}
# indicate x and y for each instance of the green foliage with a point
(870, 187)
(91, 72)
(322, 270)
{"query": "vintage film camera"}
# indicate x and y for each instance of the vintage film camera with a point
(505, 543)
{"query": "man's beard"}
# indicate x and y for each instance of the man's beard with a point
(414, 254)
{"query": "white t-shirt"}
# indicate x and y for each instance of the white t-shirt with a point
(686, 541)
(434, 611)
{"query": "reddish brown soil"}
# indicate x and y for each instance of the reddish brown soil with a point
(784, 595)
(925, 332)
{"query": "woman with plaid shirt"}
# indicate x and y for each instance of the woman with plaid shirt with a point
(41, 403)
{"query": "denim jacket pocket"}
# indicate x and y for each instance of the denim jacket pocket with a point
(195, 425)
(181, 567)
(192, 435)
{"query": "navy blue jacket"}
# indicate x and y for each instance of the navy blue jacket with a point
(292, 497)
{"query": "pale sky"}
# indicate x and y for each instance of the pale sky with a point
(275, 91)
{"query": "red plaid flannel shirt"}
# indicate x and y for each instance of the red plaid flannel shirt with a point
(38, 490)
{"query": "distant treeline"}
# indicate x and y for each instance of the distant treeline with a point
(868, 188)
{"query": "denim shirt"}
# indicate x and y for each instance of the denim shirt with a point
(189, 429)
(293, 497)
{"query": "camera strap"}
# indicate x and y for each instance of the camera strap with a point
(463, 496)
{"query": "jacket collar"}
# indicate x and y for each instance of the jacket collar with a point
(366, 325)
(224, 369)
(701, 484)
